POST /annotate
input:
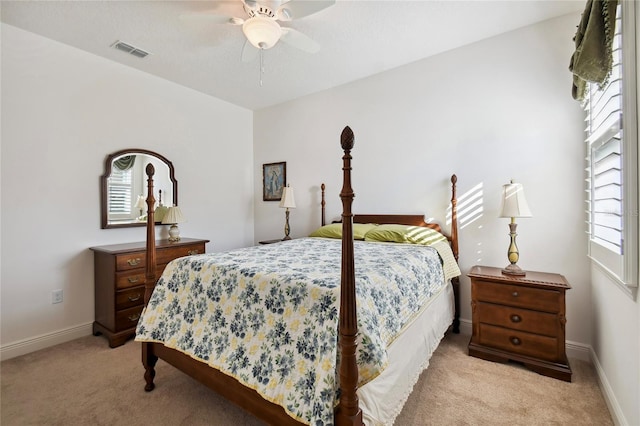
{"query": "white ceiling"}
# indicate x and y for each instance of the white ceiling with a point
(358, 39)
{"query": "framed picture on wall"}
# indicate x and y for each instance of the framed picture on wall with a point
(274, 179)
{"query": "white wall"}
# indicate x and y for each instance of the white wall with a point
(63, 112)
(491, 111)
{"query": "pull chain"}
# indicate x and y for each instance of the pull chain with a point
(261, 65)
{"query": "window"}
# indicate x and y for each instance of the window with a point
(612, 160)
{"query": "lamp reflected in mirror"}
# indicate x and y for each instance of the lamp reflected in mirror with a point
(141, 204)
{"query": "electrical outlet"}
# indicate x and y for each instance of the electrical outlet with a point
(56, 296)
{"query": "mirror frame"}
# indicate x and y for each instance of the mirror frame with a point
(107, 173)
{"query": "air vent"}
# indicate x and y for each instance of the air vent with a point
(125, 47)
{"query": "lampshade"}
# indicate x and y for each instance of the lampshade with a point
(262, 32)
(513, 203)
(287, 201)
(140, 203)
(173, 216)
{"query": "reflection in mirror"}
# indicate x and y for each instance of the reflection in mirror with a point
(124, 188)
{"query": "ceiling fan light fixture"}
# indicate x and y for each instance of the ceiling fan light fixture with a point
(262, 32)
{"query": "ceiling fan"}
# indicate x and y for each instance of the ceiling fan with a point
(260, 22)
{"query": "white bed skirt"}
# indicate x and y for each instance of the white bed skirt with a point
(382, 399)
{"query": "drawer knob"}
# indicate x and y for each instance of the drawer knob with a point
(133, 279)
(514, 294)
(515, 341)
(516, 318)
(192, 252)
(134, 262)
(133, 318)
(134, 298)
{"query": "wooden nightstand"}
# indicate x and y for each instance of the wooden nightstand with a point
(119, 283)
(520, 318)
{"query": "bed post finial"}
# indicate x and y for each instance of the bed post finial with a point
(348, 411)
(347, 139)
(150, 276)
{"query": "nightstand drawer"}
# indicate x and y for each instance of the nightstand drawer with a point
(130, 298)
(518, 319)
(519, 296)
(130, 279)
(125, 262)
(519, 342)
(128, 318)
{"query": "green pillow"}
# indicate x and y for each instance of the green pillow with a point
(404, 234)
(334, 230)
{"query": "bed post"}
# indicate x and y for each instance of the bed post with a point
(149, 359)
(348, 411)
(150, 277)
(455, 282)
(323, 203)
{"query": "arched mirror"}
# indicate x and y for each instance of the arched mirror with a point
(123, 187)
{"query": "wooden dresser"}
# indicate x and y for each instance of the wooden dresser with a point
(520, 318)
(119, 283)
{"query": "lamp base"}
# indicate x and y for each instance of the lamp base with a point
(286, 226)
(174, 234)
(513, 269)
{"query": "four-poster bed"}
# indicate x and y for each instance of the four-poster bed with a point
(336, 347)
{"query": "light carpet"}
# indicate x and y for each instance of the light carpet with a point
(84, 382)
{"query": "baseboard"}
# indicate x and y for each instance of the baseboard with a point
(466, 327)
(578, 350)
(26, 346)
(607, 392)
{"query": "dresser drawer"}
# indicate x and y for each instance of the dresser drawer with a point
(128, 318)
(519, 296)
(166, 255)
(519, 342)
(130, 298)
(130, 279)
(518, 319)
(125, 262)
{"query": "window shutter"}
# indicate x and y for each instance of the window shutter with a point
(612, 161)
(603, 106)
(120, 192)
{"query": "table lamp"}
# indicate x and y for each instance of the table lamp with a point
(513, 205)
(172, 217)
(287, 202)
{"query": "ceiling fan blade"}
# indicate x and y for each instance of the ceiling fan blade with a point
(211, 18)
(298, 40)
(249, 53)
(228, 8)
(251, 4)
(296, 9)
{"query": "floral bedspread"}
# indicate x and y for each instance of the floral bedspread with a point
(268, 315)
